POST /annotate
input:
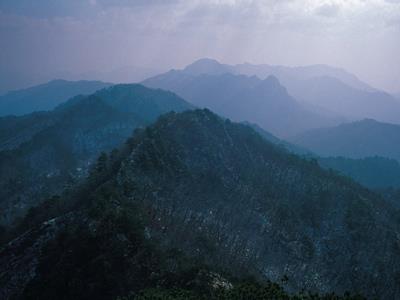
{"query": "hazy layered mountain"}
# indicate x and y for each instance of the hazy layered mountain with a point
(353, 140)
(284, 73)
(328, 91)
(303, 73)
(373, 172)
(338, 97)
(218, 194)
(241, 98)
(279, 142)
(45, 96)
(128, 74)
(331, 89)
(42, 152)
(210, 67)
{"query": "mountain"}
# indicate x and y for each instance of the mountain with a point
(281, 143)
(287, 74)
(44, 152)
(45, 96)
(331, 89)
(127, 74)
(334, 95)
(284, 73)
(207, 66)
(372, 172)
(324, 90)
(241, 98)
(353, 140)
(202, 189)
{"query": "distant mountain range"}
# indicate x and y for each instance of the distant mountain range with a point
(353, 140)
(128, 74)
(284, 73)
(41, 153)
(242, 98)
(372, 172)
(334, 95)
(330, 92)
(194, 190)
(45, 96)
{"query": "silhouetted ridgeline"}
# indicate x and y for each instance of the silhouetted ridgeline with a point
(359, 139)
(45, 96)
(241, 98)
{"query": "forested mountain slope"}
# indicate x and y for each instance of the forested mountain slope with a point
(219, 194)
(47, 151)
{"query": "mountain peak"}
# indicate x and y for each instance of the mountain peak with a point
(206, 60)
(207, 66)
(368, 121)
(273, 80)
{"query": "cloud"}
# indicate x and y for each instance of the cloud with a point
(84, 35)
(328, 10)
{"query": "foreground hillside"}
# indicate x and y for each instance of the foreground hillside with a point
(192, 190)
(42, 153)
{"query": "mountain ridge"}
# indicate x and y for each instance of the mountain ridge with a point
(39, 161)
(243, 98)
(45, 96)
(358, 139)
(219, 193)
(331, 92)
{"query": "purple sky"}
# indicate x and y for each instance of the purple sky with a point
(77, 39)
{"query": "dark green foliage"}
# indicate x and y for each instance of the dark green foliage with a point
(3, 234)
(193, 205)
(240, 291)
(96, 257)
(42, 153)
(392, 195)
